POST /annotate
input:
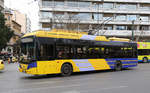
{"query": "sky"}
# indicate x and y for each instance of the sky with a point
(28, 7)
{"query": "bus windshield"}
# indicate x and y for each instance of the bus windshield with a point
(27, 52)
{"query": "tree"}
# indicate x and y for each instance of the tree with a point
(5, 32)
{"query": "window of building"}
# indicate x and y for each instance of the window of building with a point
(108, 5)
(46, 26)
(84, 16)
(121, 17)
(84, 4)
(144, 27)
(144, 17)
(96, 6)
(131, 17)
(108, 27)
(60, 26)
(122, 6)
(59, 15)
(72, 3)
(83, 27)
(132, 6)
(46, 14)
(59, 3)
(129, 27)
(144, 6)
(47, 3)
(73, 16)
(108, 16)
(119, 27)
(97, 16)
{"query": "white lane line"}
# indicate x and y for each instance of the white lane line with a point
(45, 82)
(39, 88)
(82, 79)
(117, 87)
(103, 89)
(73, 91)
(53, 82)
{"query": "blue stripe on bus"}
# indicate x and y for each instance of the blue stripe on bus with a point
(110, 63)
(126, 66)
(114, 59)
(112, 67)
(126, 62)
(129, 62)
(32, 65)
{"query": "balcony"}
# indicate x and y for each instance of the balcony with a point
(124, 33)
(47, 20)
(90, 9)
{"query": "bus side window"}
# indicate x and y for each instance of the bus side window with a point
(81, 52)
(63, 52)
(46, 52)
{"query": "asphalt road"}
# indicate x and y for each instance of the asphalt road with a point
(135, 80)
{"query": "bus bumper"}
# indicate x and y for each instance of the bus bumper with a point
(28, 70)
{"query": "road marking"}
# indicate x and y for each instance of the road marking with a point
(101, 89)
(53, 82)
(39, 88)
(73, 91)
(115, 87)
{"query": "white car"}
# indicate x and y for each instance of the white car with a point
(1, 65)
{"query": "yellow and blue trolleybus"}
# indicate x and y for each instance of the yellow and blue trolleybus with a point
(143, 52)
(65, 52)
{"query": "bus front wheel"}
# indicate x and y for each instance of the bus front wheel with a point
(145, 60)
(66, 69)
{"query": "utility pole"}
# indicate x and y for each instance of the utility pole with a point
(133, 30)
(51, 23)
(99, 15)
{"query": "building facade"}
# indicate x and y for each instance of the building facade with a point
(28, 25)
(1, 4)
(119, 18)
(21, 19)
(16, 27)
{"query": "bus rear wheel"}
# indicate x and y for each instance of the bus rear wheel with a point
(66, 70)
(145, 60)
(118, 66)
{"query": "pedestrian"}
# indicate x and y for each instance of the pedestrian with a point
(8, 60)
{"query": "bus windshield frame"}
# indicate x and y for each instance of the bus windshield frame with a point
(28, 50)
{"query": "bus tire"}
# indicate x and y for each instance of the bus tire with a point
(118, 66)
(66, 69)
(145, 60)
